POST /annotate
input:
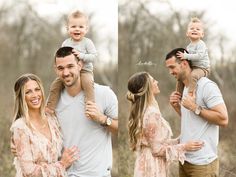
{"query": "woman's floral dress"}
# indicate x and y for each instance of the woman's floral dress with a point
(155, 148)
(36, 155)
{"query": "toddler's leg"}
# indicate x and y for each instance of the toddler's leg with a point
(180, 87)
(54, 93)
(196, 74)
(87, 84)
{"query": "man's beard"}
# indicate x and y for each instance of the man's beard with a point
(74, 79)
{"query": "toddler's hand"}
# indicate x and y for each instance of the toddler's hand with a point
(180, 55)
(76, 53)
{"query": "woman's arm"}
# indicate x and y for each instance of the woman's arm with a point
(29, 167)
(164, 146)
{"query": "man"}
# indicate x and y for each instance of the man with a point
(201, 116)
(87, 126)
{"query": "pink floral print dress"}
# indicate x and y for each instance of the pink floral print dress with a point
(37, 156)
(155, 148)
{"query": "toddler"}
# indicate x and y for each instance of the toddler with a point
(197, 54)
(77, 27)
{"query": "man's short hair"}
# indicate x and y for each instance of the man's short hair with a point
(173, 53)
(63, 52)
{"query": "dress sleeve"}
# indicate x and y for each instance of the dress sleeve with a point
(160, 145)
(174, 141)
(27, 164)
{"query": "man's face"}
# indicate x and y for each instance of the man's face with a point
(175, 68)
(68, 70)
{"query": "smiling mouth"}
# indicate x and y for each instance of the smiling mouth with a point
(35, 102)
(77, 34)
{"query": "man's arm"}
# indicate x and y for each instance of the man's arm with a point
(113, 128)
(217, 114)
(93, 112)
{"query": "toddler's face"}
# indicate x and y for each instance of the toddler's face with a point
(195, 31)
(77, 28)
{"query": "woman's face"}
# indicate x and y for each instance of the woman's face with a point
(33, 95)
(154, 84)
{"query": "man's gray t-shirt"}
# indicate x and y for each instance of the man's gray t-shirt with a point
(193, 127)
(92, 139)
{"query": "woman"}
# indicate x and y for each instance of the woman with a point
(36, 137)
(149, 133)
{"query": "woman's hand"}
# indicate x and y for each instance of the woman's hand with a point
(69, 155)
(193, 145)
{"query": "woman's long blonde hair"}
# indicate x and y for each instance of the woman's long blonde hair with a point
(20, 105)
(140, 95)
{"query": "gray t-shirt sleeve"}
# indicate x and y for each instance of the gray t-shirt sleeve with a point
(111, 109)
(212, 95)
(91, 54)
(200, 49)
(66, 43)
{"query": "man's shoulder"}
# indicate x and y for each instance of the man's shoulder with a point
(101, 88)
(203, 80)
(104, 92)
(206, 82)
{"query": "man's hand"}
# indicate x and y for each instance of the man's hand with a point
(189, 102)
(175, 99)
(92, 111)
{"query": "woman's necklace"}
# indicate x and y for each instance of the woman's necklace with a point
(39, 126)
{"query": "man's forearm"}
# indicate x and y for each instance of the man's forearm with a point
(215, 116)
(113, 128)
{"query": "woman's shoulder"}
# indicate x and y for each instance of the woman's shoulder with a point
(152, 109)
(19, 124)
(152, 113)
